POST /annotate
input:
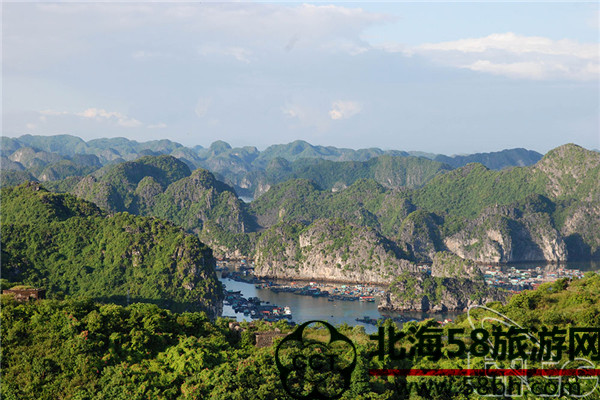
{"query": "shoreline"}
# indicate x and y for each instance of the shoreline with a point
(324, 281)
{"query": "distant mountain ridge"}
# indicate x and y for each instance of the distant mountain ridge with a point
(250, 171)
(495, 160)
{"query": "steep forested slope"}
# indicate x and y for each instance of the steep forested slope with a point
(71, 247)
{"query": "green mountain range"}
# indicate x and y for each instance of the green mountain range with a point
(393, 210)
(547, 211)
(249, 171)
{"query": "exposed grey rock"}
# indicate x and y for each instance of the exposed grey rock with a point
(421, 292)
(505, 234)
(329, 250)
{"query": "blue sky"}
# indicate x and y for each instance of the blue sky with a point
(439, 77)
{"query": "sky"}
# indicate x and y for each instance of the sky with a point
(441, 77)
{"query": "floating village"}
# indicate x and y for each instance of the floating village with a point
(516, 280)
(508, 278)
(255, 307)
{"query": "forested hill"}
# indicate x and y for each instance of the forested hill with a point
(71, 247)
(164, 187)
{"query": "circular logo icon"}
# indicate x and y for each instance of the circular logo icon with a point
(315, 363)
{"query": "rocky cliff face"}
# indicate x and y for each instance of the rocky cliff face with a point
(505, 234)
(261, 188)
(420, 236)
(581, 230)
(454, 285)
(328, 250)
(420, 292)
(448, 265)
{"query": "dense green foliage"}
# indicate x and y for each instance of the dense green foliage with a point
(467, 191)
(71, 247)
(78, 349)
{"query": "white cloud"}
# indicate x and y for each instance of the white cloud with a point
(38, 35)
(277, 27)
(100, 114)
(53, 112)
(97, 114)
(344, 109)
(517, 44)
(516, 56)
(529, 70)
(31, 126)
(306, 113)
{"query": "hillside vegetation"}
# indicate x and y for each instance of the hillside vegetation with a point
(549, 211)
(544, 212)
(80, 349)
(72, 248)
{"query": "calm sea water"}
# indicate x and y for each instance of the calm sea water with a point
(306, 308)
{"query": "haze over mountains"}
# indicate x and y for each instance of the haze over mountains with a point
(249, 171)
